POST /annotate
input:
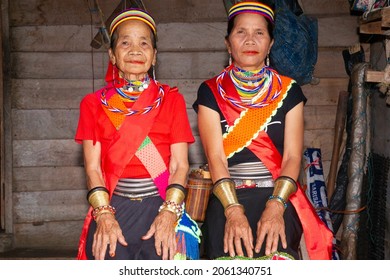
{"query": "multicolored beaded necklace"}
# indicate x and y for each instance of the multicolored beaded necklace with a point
(116, 106)
(137, 86)
(251, 86)
(248, 83)
(133, 89)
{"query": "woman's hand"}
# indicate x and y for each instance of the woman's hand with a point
(163, 229)
(271, 224)
(108, 232)
(237, 232)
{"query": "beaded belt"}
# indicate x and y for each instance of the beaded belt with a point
(251, 175)
(251, 183)
(136, 189)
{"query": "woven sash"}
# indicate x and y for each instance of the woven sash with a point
(249, 123)
(156, 167)
(131, 139)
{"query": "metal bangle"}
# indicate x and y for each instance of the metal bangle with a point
(224, 189)
(175, 193)
(177, 186)
(284, 187)
(98, 198)
(95, 189)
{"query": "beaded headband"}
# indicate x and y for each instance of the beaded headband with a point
(251, 7)
(136, 14)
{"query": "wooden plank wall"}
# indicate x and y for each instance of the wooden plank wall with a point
(53, 67)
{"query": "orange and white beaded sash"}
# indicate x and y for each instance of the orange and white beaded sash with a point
(246, 124)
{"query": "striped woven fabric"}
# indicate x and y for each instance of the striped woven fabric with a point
(251, 7)
(136, 14)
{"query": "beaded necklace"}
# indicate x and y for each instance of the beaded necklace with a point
(115, 106)
(248, 83)
(131, 91)
(137, 86)
(266, 88)
(128, 96)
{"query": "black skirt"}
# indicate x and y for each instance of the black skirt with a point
(254, 201)
(135, 218)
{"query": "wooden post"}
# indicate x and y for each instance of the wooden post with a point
(338, 139)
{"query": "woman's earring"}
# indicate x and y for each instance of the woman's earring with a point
(113, 74)
(154, 72)
(267, 60)
(230, 59)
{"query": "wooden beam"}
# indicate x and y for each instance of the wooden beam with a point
(371, 28)
(375, 22)
(374, 76)
(379, 14)
(386, 17)
(377, 76)
(372, 16)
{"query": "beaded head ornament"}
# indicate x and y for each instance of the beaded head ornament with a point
(133, 14)
(251, 7)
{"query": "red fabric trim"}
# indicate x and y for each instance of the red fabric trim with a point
(112, 76)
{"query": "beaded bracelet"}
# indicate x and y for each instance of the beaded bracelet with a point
(102, 209)
(278, 198)
(172, 207)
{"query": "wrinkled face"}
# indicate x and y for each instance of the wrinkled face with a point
(133, 52)
(249, 42)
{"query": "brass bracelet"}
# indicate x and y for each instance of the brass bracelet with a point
(284, 187)
(224, 190)
(175, 193)
(95, 189)
(98, 197)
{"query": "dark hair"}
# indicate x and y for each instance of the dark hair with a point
(270, 27)
(114, 38)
